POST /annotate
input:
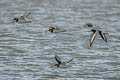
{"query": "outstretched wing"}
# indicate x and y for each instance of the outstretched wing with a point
(103, 36)
(23, 17)
(62, 30)
(69, 61)
(57, 58)
(27, 14)
(92, 37)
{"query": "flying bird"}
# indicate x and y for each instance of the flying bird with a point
(59, 62)
(94, 34)
(58, 29)
(22, 18)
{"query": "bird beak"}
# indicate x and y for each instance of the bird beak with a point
(12, 21)
(47, 30)
(89, 31)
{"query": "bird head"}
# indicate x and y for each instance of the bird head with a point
(15, 20)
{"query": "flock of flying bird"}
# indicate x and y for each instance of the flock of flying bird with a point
(23, 19)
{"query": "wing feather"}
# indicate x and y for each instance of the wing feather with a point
(92, 37)
(103, 36)
(68, 61)
(57, 58)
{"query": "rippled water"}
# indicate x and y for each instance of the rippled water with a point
(27, 52)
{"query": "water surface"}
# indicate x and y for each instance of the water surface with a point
(27, 52)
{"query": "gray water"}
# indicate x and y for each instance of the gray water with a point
(27, 51)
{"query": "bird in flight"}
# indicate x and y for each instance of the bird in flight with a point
(59, 62)
(94, 34)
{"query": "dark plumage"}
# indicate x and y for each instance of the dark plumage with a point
(15, 20)
(58, 60)
(51, 29)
